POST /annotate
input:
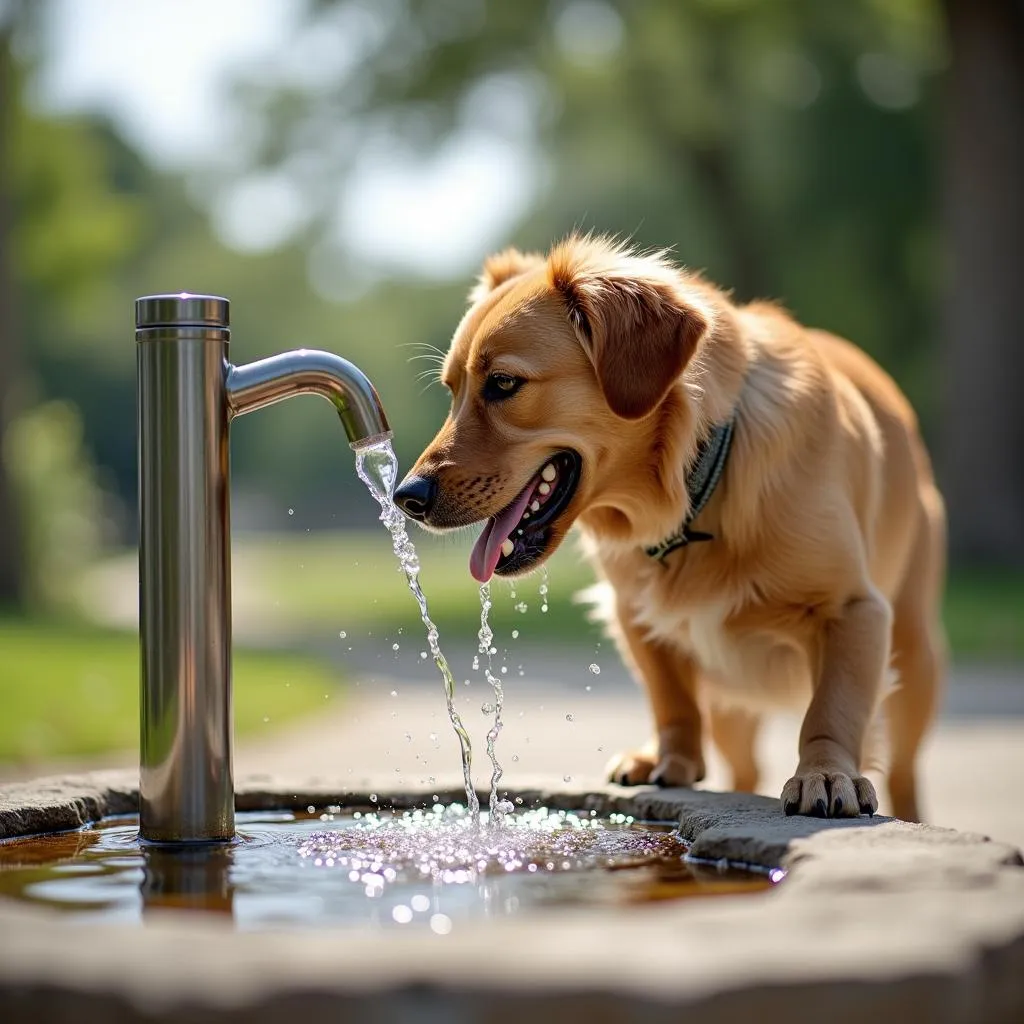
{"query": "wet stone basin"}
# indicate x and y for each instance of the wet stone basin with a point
(418, 869)
(877, 920)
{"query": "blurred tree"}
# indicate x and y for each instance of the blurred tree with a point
(12, 559)
(63, 230)
(983, 436)
(787, 147)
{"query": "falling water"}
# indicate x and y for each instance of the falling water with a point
(499, 808)
(378, 469)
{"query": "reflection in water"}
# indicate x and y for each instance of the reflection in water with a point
(263, 879)
(196, 877)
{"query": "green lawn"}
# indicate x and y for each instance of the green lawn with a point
(72, 689)
(351, 582)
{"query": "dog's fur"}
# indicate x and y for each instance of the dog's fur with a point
(828, 557)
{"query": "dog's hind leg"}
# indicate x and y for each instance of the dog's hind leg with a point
(919, 656)
(734, 732)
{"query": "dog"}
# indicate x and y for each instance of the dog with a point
(754, 495)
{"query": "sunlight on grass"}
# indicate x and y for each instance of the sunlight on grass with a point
(70, 690)
(351, 581)
(311, 587)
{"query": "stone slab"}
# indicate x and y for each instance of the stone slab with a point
(877, 920)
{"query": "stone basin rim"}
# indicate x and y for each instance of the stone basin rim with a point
(873, 912)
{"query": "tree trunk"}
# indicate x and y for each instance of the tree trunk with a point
(12, 561)
(982, 454)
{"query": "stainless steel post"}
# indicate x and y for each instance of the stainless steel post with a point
(187, 394)
(186, 788)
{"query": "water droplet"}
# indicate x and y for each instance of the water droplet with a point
(600, 749)
(595, 668)
(487, 708)
(402, 914)
(343, 635)
(420, 903)
(433, 737)
(504, 670)
(522, 607)
(373, 798)
(291, 511)
(394, 647)
(567, 778)
(515, 757)
(515, 634)
(569, 717)
(408, 737)
(266, 718)
(394, 693)
(440, 924)
(423, 655)
(588, 687)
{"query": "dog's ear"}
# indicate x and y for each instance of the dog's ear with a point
(639, 331)
(501, 267)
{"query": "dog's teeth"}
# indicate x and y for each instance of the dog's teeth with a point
(507, 548)
(548, 473)
(544, 488)
(526, 515)
(534, 507)
(519, 533)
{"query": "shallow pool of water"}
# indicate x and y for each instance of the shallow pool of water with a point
(428, 870)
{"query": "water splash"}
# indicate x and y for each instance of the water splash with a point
(377, 467)
(499, 808)
(444, 845)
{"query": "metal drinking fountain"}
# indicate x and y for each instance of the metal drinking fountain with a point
(188, 393)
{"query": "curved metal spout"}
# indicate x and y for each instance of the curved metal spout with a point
(311, 372)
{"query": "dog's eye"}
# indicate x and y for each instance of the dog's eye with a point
(501, 385)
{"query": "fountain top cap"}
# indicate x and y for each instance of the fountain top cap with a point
(182, 310)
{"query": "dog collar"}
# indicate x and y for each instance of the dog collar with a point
(701, 481)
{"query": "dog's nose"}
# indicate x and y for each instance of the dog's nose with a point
(415, 496)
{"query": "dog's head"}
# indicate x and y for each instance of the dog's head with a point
(557, 372)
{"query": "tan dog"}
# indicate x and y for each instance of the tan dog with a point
(600, 387)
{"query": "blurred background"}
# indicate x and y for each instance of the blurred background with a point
(339, 169)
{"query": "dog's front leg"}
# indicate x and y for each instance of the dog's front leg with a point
(673, 757)
(855, 655)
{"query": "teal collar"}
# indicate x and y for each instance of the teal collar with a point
(701, 481)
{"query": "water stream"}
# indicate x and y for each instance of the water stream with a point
(499, 808)
(377, 467)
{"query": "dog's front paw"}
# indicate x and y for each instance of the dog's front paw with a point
(827, 794)
(637, 768)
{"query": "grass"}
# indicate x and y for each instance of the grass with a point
(70, 690)
(351, 582)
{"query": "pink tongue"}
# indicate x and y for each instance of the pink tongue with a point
(496, 531)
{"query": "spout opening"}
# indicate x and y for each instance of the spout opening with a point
(372, 441)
